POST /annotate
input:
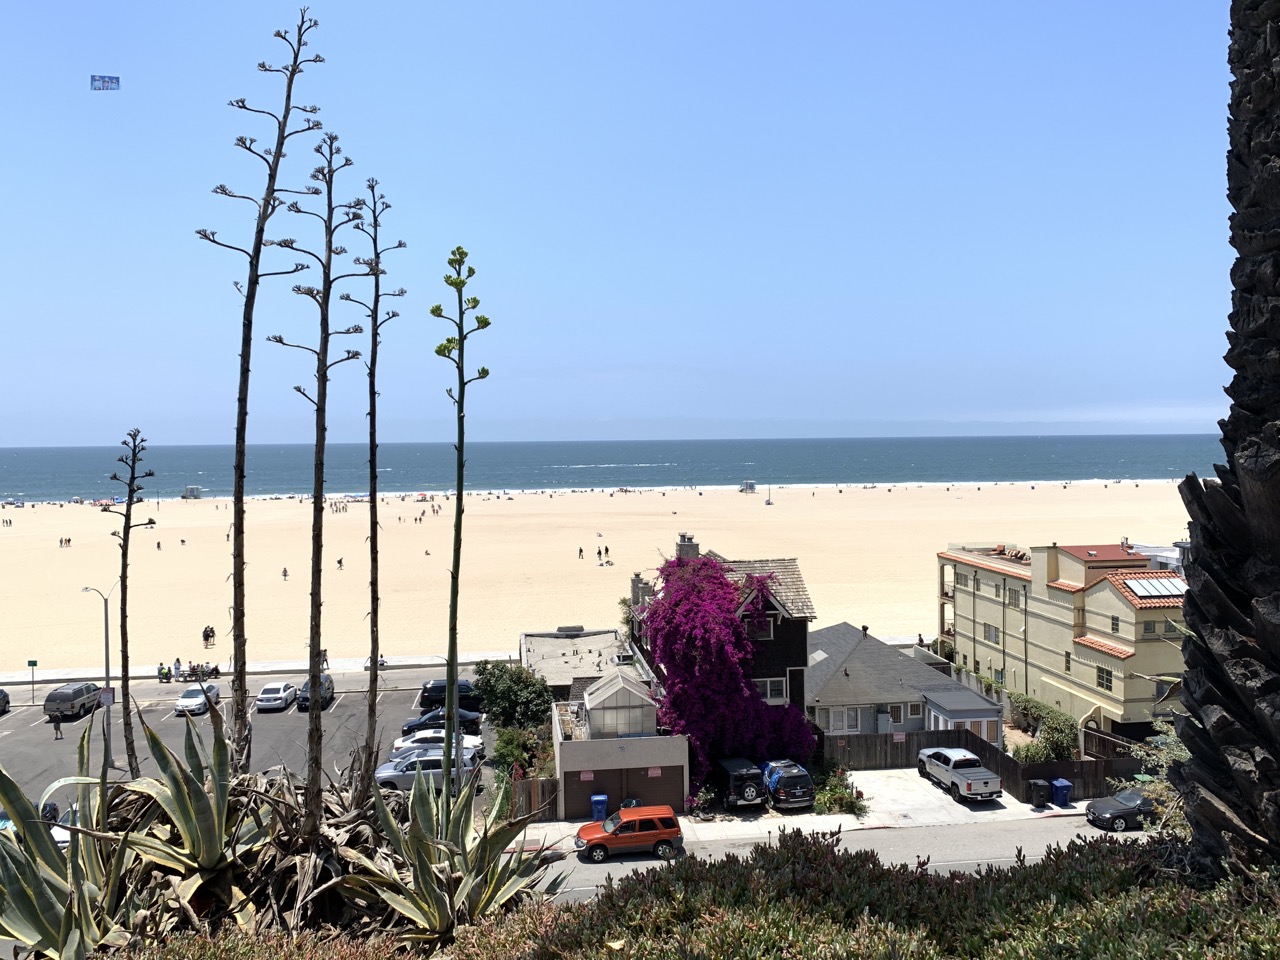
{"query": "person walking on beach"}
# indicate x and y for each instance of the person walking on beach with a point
(57, 726)
(339, 563)
(579, 553)
(599, 554)
(606, 553)
(285, 573)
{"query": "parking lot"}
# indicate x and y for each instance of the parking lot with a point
(31, 756)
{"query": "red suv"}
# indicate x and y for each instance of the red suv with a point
(631, 829)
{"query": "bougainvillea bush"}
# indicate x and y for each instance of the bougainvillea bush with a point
(701, 641)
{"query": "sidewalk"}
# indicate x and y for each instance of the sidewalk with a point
(897, 798)
(337, 665)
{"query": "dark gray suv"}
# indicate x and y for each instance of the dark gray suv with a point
(325, 697)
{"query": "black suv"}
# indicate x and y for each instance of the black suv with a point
(433, 692)
(738, 781)
(326, 693)
(787, 783)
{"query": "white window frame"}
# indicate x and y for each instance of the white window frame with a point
(1148, 628)
(915, 711)
(771, 689)
(991, 634)
(1014, 596)
(895, 714)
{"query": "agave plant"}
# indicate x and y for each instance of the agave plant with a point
(456, 871)
(207, 841)
(61, 905)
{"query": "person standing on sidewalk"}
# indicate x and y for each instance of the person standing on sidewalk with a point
(57, 726)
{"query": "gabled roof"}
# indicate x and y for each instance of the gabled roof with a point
(787, 587)
(1176, 586)
(877, 672)
(610, 684)
(1103, 646)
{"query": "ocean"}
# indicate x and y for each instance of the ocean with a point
(61, 473)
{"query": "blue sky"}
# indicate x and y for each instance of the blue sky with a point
(717, 219)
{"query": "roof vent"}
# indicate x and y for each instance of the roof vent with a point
(621, 658)
(1093, 553)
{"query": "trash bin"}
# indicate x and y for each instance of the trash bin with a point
(1061, 792)
(599, 806)
(1039, 793)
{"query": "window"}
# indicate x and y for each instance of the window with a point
(763, 630)
(1000, 676)
(1015, 598)
(962, 579)
(851, 721)
(977, 583)
(1115, 624)
(991, 634)
(1170, 627)
(964, 660)
(915, 710)
(1066, 662)
(1104, 678)
(1162, 689)
(773, 688)
(995, 588)
(1148, 626)
(895, 713)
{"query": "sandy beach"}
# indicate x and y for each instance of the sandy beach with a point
(867, 555)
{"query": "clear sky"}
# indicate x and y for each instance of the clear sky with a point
(712, 219)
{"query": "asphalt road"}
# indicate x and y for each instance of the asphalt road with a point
(963, 847)
(30, 755)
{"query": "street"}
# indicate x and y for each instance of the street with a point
(950, 847)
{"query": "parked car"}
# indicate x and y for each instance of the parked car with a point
(325, 697)
(434, 736)
(630, 830)
(787, 784)
(738, 782)
(433, 694)
(276, 696)
(4, 700)
(72, 700)
(399, 774)
(61, 835)
(192, 699)
(959, 772)
(1122, 810)
(6, 821)
(469, 720)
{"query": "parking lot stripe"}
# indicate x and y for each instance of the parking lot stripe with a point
(336, 700)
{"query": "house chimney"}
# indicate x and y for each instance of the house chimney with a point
(637, 584)
(686, 547)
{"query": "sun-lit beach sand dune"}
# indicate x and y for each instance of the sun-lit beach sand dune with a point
(867, 554)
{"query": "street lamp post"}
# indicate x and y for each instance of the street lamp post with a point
(106, 665)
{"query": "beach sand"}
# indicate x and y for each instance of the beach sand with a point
(868, 555)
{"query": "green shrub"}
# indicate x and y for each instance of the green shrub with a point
(839, 795)
(1057, 733)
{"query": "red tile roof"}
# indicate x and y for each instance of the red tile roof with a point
(1118, 578)
(995, 567)
(1102, 646)
(1105, 552)
(1065, 585)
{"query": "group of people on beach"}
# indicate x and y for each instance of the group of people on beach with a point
(195, 671)
(63, 541)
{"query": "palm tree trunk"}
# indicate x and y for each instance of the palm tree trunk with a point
(1231, 784)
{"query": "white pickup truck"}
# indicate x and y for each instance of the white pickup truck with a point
(960, 773)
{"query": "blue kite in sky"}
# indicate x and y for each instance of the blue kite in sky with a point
(104, 83)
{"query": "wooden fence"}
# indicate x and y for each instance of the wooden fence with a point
(1105, 746)
(535, 796)
(892, 751)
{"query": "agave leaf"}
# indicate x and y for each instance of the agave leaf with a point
(220, 771)
(390, 828)
(27, 823)
(157, 851)
(28, 911)
(195, 754)
(185, 800)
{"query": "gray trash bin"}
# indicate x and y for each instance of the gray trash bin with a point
(599, 806)
(1040, 793)
(1061, 792)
